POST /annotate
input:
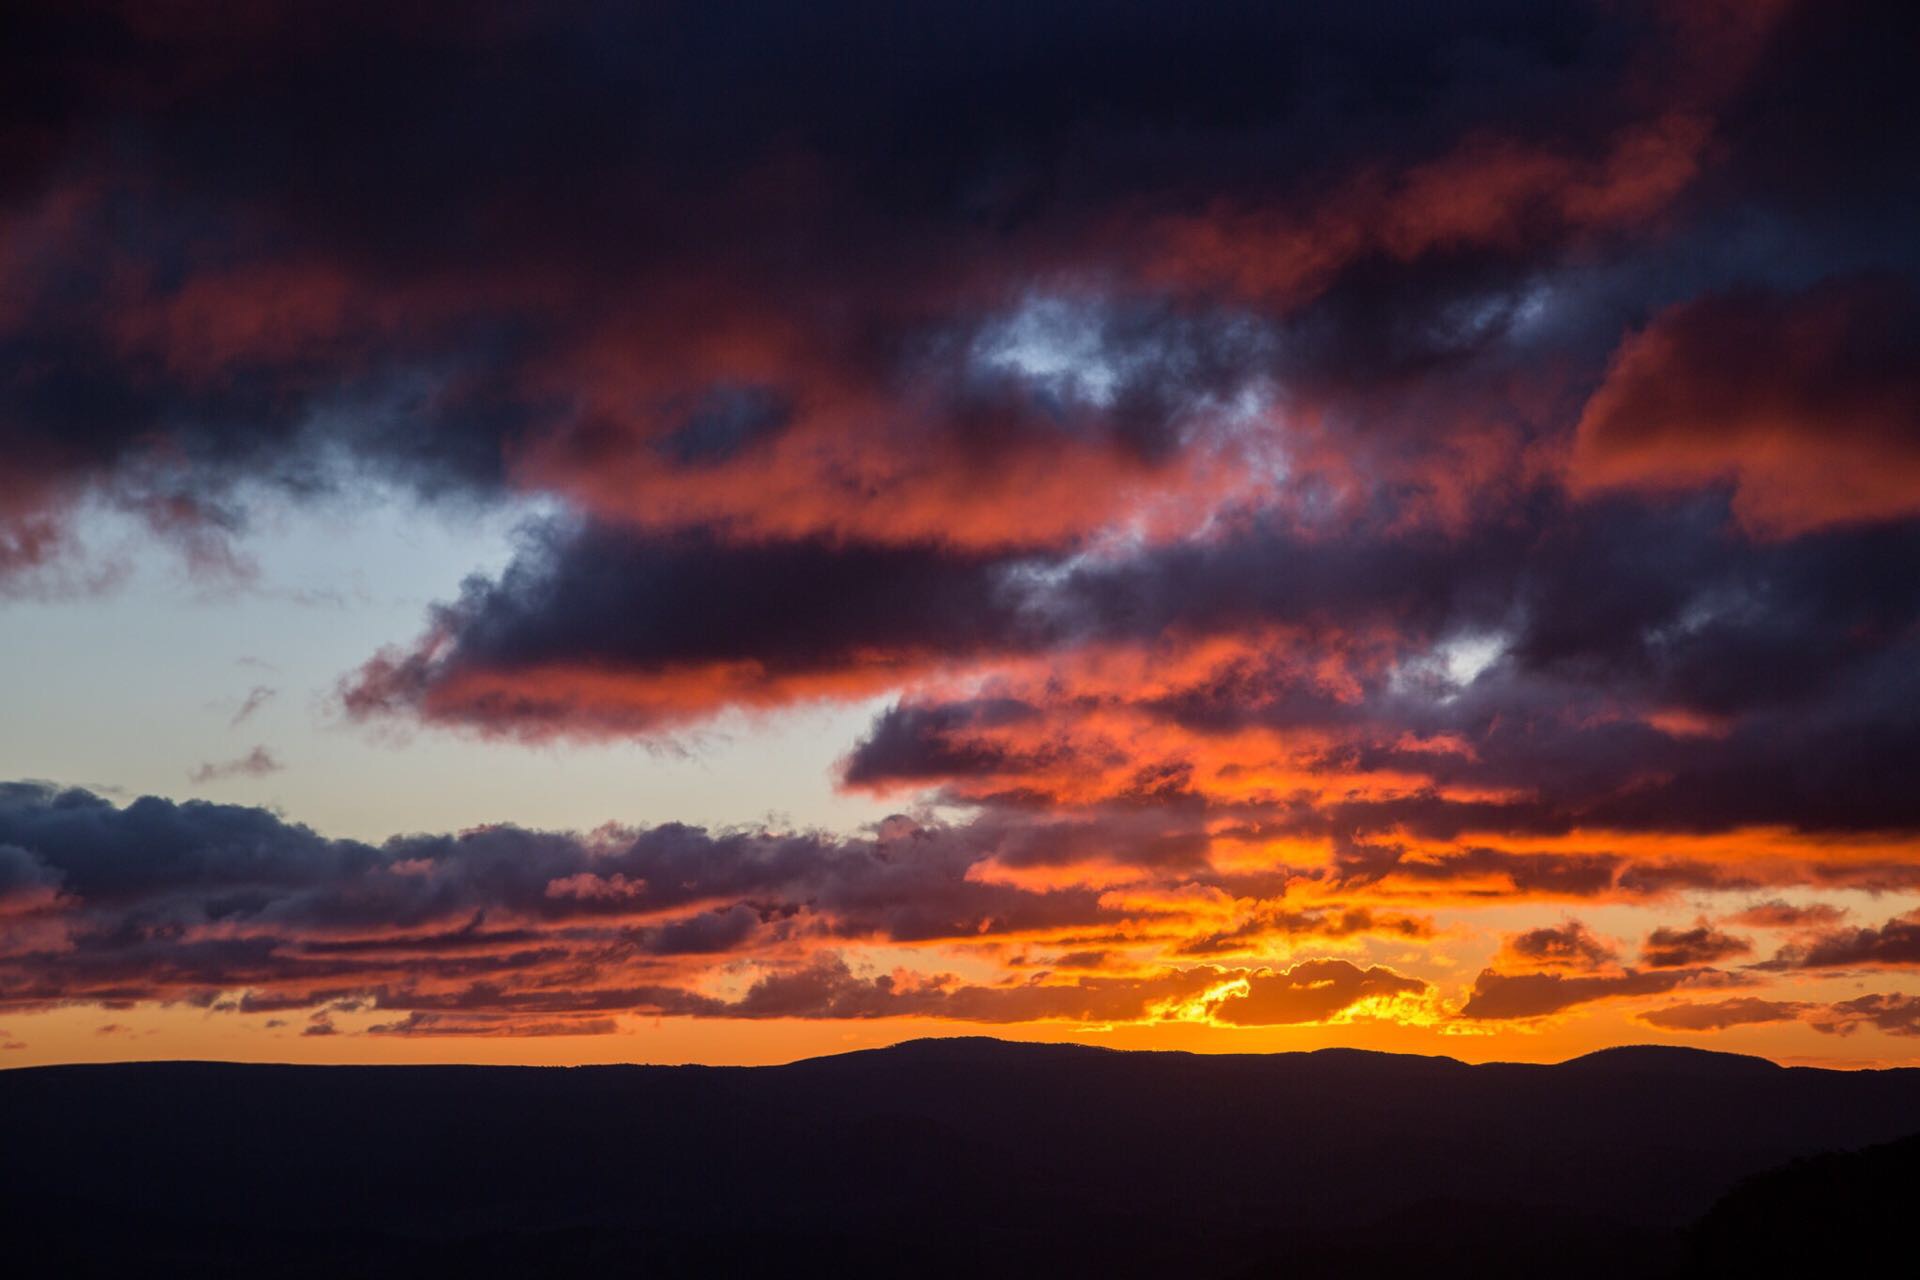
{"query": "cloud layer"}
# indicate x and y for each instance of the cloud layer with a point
(506, 931)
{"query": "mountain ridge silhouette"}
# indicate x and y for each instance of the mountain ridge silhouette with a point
(931, 1157)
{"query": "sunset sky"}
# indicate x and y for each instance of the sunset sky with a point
(727, 532)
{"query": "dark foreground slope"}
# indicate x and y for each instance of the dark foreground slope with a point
(1844, 1213)
(931, 1158)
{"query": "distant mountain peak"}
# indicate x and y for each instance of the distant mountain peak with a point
(974, 1048)
(1671, 1059)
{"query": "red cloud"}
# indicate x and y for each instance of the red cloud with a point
(1808, 404)
(1487, 191)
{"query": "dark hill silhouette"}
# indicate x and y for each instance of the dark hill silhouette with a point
(1671, 1060)
(1844, 1213)
(934, 1157)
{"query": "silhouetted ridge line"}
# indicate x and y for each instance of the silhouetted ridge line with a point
(932, 1157)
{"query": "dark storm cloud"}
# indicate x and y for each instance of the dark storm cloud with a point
(645, 606)
(84, 843)
(912, 744)
(241, 261)
(236, 258)
(1793, 649)
(26, 883)
(1803, 131)
(844, 369)
(1791, 664)
(691, 622)
(724, 421)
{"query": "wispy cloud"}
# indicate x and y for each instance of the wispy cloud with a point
(257, 697)
(257, 763)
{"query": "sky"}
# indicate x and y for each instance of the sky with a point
(727, 533)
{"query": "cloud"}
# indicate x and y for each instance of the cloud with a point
(1718, 1015)
(1786, 653)
(801, 314)
(207, 903)
(1894, 944)
(1282, 407)
(1894, 1013)
(840, 308)
(257, 763)
(1805, 403)
(1498, 995)
(228, 908)
(1671, 948)
(1549, 969)
(26, 884)
(429, 1024)
(257, 697)
(501, 930)
(1310, 992)
(1567, 946)
(1313, 991)
(1779, 914)
(599, 629)
(1790, 650)
(1259, 927)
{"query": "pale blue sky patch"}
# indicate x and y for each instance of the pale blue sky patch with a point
(137, 689)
